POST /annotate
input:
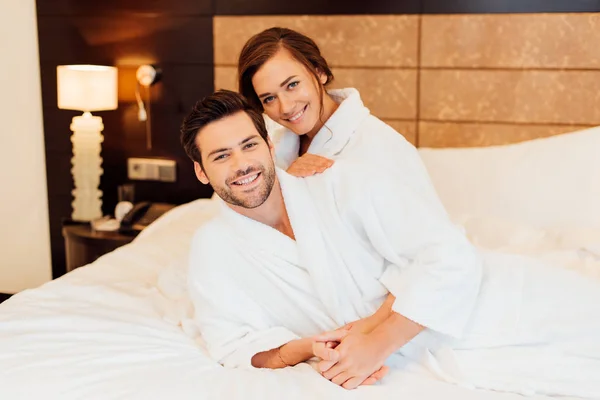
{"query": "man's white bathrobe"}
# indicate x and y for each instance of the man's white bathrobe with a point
(372, 225)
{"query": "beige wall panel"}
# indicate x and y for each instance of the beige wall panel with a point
(388, 93)
(453, 134)
(511, 40)
(408, 129)
(354, 41)
(568, 97)
(226, 78)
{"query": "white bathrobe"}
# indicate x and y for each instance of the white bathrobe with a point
(372, 225)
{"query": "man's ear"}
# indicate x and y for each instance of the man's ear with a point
(271, 145)
(200, 173)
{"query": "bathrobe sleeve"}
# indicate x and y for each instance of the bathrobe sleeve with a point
(233, 326)
(431, 268)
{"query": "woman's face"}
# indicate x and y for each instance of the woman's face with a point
(289, 93)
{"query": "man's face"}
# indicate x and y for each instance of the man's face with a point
(237, 162)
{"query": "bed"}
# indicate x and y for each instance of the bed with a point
(121, 328)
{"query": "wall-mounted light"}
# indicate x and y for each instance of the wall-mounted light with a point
(146, 76)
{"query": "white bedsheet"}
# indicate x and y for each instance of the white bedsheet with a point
(120, 329)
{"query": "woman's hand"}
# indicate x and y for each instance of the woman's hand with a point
(326, 348)
(309, 164)
(359, 361)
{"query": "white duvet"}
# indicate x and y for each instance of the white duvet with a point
(120, 328)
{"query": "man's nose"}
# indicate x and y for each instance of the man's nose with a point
(240, 162)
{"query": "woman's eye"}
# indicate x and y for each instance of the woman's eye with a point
(293, 84)
(268, 99)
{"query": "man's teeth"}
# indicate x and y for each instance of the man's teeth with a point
(295, 117)
(246, 181)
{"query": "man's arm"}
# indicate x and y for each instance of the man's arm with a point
(288, 355)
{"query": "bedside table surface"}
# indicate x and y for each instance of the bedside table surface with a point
(86, 232)
(84, 245)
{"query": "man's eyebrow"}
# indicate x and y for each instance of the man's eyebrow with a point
(282, 85)
(249, 138)
(218, 151)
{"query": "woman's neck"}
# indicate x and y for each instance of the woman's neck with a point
(329, 107)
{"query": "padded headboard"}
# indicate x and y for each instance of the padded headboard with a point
(451, 80)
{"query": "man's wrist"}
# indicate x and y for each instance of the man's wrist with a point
(295, 352)
(283, 362)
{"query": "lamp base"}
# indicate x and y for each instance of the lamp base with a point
(87, 139)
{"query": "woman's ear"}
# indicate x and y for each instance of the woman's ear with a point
(322, 76)
(200, 173)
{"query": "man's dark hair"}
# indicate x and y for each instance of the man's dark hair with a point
(220, 104)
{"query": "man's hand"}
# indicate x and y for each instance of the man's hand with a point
(309, 164)
(323, 346)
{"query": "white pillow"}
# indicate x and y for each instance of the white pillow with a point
(546, 183)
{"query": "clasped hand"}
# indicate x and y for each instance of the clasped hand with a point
(350, 357)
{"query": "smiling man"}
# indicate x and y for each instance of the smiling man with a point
(287, 259)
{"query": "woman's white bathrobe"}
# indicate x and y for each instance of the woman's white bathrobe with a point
(370, 225)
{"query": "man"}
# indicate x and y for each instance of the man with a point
(287, 259)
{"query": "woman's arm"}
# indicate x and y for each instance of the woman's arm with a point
(368, 324)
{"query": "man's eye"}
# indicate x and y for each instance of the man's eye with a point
(249, 145)
(221, 157)
(268, 99)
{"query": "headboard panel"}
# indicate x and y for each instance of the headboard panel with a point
(451, 80)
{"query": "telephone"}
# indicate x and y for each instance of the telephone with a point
(143, 214)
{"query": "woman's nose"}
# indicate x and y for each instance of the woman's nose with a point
(286, 106)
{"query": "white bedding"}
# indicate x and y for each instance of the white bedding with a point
(120, 328)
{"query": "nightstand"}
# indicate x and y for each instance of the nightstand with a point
(83, 245)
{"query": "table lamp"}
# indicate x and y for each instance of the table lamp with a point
(87, 88)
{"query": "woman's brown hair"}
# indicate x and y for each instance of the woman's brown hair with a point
(262, 46)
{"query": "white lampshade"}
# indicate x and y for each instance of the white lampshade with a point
(87, 87)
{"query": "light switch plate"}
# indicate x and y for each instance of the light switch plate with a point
(151, 169)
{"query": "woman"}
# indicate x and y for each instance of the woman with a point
(282, 73)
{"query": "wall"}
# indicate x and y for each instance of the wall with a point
(24, 238)
(178, 36)
(174, 34)
(451, 80)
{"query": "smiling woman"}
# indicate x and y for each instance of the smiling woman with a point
(283, 73)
